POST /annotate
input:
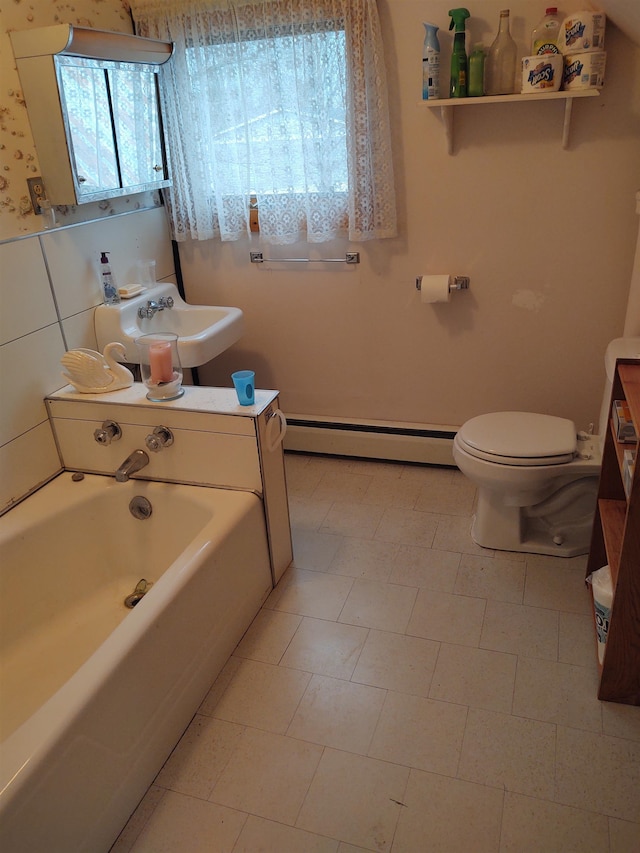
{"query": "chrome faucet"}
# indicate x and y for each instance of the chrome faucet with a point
(152, 307)
(133, 463)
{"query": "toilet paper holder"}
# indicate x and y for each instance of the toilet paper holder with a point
(459, 282)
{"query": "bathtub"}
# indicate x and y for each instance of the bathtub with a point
(95, 695)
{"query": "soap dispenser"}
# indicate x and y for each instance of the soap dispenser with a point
(109, 289)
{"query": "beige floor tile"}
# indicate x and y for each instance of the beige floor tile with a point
(454, 498)
(397, 662)
(557, 585)
(352, 519)
(342, 485)
(379, 605)
(428, 475)
(266, 836)
(262, 695)
(217, 689)
(599, 773)
(313, 550)
(268, 775)
(475, 677)
(337, 713)
(491, 577)
(509, 752)
(576, 642)
(538, 826)
(514, 628)
(301, 480)
(187, 823)
(448, 816)
(307, 514)
(310, 593)
(624, 836)
(424, 567)
(201, 755)
(407, 527)
(355, 799)
(325, 647)
(384, 491)
(449, 618)
(136, 823)
(557, 693)
(268, 636)
(364, 558)
(621, 721)
(417, 732)
(454, 534)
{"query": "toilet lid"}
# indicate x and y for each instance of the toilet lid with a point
(519, 438)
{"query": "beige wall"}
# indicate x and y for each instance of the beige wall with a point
(546, 235)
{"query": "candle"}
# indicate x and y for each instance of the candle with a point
(160, 362)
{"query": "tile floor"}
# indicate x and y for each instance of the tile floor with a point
(402, 690)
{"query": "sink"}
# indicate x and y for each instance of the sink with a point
(204, 331)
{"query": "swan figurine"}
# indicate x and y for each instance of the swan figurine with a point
(92, 373)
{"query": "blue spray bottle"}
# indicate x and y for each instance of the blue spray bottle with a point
(430, 64)
(458, 87)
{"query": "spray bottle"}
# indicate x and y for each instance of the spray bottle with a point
(458, 88)
(430, 64)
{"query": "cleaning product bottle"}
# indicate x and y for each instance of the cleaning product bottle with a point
(109, 289)
(458, 87)
(544, 38)
(430, 63)
(500, 67)
(476, 72)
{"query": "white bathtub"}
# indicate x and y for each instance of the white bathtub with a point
(94, 695)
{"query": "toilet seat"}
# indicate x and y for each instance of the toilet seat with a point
(519, 438)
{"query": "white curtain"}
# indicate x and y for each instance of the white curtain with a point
(285, 100)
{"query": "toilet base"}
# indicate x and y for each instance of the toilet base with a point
(559, 526)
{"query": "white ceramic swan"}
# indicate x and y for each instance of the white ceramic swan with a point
(92, 373)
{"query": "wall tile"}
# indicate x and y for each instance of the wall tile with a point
(26, 301)
(29, 370)
(26, 463)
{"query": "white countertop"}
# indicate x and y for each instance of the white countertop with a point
(196, 398)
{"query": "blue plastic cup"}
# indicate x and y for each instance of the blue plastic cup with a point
(243, 381)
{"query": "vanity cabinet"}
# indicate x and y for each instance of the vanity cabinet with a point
(616, 542)
(93, 103)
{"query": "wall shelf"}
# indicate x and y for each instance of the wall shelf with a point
(448, 105)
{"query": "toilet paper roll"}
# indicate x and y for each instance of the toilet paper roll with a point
(435, 288)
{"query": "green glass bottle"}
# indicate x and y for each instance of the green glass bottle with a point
(476, 72)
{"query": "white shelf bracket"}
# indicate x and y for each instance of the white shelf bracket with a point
(447, 120)
(568, 104)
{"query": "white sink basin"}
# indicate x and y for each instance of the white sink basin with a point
(204, 331)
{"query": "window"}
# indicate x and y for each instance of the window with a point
(284, 100)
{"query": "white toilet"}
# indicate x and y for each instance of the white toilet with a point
(537, 479)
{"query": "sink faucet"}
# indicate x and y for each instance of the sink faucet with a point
(134, 462)
(147, 311)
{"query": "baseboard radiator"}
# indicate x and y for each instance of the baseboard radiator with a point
(370, 440)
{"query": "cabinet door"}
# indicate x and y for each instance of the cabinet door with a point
(136, 120)
(92, 149)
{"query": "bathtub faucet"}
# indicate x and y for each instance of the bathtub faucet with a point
(135, 462)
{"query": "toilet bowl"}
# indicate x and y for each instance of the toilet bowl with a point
(537, 482)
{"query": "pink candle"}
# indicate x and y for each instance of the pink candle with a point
(160, 362)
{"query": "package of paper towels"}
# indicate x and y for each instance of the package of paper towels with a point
(435, 288)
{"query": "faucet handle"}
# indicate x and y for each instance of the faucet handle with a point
(110, 431)
(161, 437)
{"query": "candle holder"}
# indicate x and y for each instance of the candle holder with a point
(160, 366)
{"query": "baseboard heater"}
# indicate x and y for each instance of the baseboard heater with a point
(370, 440)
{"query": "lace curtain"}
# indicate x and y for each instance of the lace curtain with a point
(284, 100)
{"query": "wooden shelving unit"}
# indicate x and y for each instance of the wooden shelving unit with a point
(616, 542)
(448, 105)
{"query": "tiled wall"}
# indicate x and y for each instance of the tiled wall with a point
(48, 291)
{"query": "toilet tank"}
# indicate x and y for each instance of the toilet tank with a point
(618, 348)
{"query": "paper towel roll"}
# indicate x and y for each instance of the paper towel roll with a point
(435, 288)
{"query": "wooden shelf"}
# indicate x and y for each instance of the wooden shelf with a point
(447, 106)
(616, 541)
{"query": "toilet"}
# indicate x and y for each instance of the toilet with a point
(537, 477)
